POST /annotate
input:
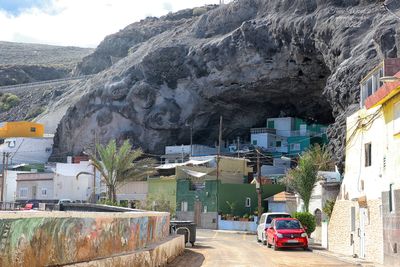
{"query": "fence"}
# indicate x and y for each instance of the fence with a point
(10, 206)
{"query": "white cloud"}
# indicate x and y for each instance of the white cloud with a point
(83, 22)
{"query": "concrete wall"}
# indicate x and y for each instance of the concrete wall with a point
(250, 226)
(391, 229)
(57, 238)
(136, 190)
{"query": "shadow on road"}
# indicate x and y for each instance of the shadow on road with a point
(188, 258)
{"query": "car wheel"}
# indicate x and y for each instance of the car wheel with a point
(268, 244)
(258, 240)
(274, 245)
(264, 241)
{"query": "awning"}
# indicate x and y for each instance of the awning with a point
(174, 165)
(194, 173)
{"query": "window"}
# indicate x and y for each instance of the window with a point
(278, 143)
(295, 147)
(11, 143)
(255, 142)
(353, 218)
(248, 202)
(184, 206)
(33, 129)
(23, 192)
(396, 118)
(44, 192)
(391, 198)
(368, 160)
(271, 124)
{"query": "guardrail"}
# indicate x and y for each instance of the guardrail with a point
(10, 206)
(34, 84)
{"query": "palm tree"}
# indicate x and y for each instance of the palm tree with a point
(303, 178)
(119, 166)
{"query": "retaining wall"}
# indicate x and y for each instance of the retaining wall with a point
(59, 238)
(249, 226)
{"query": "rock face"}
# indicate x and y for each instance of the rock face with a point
(246, 61)
(26, 63)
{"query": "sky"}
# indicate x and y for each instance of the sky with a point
(82, 23)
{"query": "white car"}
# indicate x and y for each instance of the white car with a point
(265, 223)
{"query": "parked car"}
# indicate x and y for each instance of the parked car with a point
(62, 201)
(265, 222)
(31, 204)
(286, 233)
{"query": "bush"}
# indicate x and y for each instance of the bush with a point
(8, 101)
(33, 113)
(158, 203)
(307, 220)
(328, 207)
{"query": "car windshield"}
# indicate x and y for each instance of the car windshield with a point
(273, 216)
(292, 224)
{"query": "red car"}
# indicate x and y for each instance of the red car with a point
(286, 233)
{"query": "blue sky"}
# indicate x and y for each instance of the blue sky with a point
(16, 7)
(82, 23)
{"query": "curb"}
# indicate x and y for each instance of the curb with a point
(343, 258)
(235, 232)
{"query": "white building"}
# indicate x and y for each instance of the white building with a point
(27, 149)
(268, 139)
(135, 191)
(35, 186)
(66, 185)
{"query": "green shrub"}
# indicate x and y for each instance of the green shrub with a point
(34, 113)
(7, 101)
(307, 220)
(198, 11)
(328, 207)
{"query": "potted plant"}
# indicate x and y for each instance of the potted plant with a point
(245, 218)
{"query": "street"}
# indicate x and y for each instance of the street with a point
(214, 248)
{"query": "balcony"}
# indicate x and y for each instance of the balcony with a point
(262, 130)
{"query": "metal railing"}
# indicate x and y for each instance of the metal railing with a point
(10, 206)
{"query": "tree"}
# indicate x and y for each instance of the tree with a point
(328, 207)
(119, 166)
(303, 178)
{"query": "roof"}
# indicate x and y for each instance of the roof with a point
(384, 93)
(174, 165)
(282, 197)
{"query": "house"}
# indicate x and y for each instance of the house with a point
(179, 154)
(366, 217)
(132, 193)
(21, 129)
(326, 189)
(288, 135)
(162, 189)
(22, 150)
(282, 202)
(67, 185)
(35, 185)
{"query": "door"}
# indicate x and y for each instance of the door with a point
(361, 231)
(197, 213)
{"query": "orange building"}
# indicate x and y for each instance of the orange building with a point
(21, 129)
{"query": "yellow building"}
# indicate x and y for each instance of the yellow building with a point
(21, 129)
(366, 217)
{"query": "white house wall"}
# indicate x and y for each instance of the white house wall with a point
(27, 150)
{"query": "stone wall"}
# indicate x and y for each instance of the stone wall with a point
(391, 229)
(345, 240)
(59, 238)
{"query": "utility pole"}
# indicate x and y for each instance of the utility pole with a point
(2, 177)
(94, 170)
(218, 157)
(238, 145)
(259, 190)
(191, 140)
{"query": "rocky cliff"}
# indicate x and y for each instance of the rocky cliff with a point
(246, 61)
(26, 63)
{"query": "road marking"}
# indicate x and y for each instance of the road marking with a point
(244, 237)
(215, 235)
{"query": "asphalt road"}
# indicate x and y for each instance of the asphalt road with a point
(214, 248)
